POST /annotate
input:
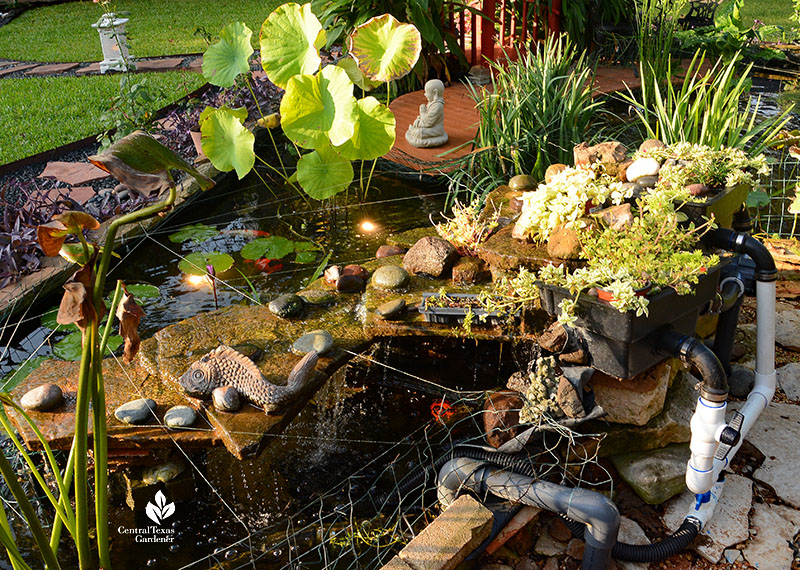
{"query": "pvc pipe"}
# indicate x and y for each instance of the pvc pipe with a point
(707, 422)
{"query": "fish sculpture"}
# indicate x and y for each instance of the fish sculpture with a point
(224, 366)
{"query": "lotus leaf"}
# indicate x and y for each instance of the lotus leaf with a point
(356, 75)
(239, 112)
(324, 173)
(195, 263)
(70, 347)
(230, 56)
(374, 132)
(290, 40)
(384, 48)
(198, 233)
(227, 144)
(319, 109)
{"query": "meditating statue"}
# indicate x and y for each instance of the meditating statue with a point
(427, 130)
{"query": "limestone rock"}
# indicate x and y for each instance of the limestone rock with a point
(286, 306)
(651, 144)
(775, 527)
(523, 182)
(430, 256)
(609, 154)
(642, 167)
(789, 380)
(138, 411)
(470, 271)
(180, 416)
(564, 242)
(655, 475)
(42, 398)
(552, 171)
(501, 417)
(391, 309)
(226, 399)
(389, 251)
(729, 524)
(390, 277)
(631, 533)
(546, 545)
(318, 340)
(787, 326)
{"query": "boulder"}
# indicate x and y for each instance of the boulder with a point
(610, 154)
(656, 475)
(430, 256)
(523, 182)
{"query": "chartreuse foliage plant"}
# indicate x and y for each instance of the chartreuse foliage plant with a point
(319, 113)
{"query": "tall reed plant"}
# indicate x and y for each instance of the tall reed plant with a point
(656, 21)
(537, 109)
(711, 108)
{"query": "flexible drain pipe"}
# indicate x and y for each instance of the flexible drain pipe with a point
(596, 511)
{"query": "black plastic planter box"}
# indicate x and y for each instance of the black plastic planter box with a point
(618, 342)
(456, 315)
(723, 205)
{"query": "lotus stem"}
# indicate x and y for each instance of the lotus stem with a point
(55, 533)
(7, 540)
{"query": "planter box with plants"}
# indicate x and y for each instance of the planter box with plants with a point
(454, 308)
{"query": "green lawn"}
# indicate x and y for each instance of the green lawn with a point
(63, 32)
(774, 12)
(40, 113)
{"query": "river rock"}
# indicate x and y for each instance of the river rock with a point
(318, 340)
(651, 144)
(286, 306)
(569, 400)
(657, 475)
(642, 167)
(357, 270)
(634, 188)
(180, 416)
(622, 171)
(697, 189)
(391, 309)
(552, 171)
(332, 273)
(523, 182)
(787, 326)
(42, 398)
(564, 243)
(741, 380)
(610, 154)
(774, 529)
(727, 527)
(318, 298)
(647, 182)
(501, 417)
(390, 277)
(617, 217)
(430, 256)
(470, 271)
(789, 380)
(350, 284)
(226, 399)
(631, 533)
(389, 251)
(137, 411)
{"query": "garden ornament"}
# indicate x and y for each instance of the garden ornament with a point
(427, 130)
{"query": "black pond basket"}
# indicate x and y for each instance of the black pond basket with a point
(722, 205)
(456, 315)
(618, 342)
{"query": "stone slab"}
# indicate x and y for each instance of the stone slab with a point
(451, 537)
(656, 475)
(631, 533)
(774, 527)
(167, 64)
(91, 68)
(81, 194)
(787, 326)
(196, 65)
(16, 68)
(729, 525)
(73, 173)
(789, 380)
(502, 252)
(52, 69)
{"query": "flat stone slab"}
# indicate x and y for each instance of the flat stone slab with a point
(91, 68)
(159, 64)
(787, 326)
(774, 528)
(73, 173)
(52, 69)
(789, 380)
(729, 525)
(16, 68)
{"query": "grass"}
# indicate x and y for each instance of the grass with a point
(774, 12)
(63, 32)
(42, 113)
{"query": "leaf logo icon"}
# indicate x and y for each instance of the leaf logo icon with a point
(161, 510)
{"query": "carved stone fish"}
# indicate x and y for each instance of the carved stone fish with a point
(224, 366)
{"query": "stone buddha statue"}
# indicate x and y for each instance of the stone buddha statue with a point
(427, 130)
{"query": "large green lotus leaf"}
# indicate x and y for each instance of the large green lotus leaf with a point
(324, 173)
(230, 56)
(238, 112)
(374, 133)
(384, 48)
(356, 75)
(290, 40)
(318, 110)
(196, 263)
(227, 144)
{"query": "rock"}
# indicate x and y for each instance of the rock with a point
(729, 524)
(552, 171)
(575, 548)
(430, 256)
(787, 326)
(578, 357)
(551, 564)
(523, 182)
(180, 416)
(647, 182)
(501, 417)
(408, 238)
(622, 171)
(775, 434)
(390, 277)
(789, 380)
(731, 555)
(637, 400)
(564, 242)
(43, 398)
(526, 564)
(226, 399)
(657, 475)
(162, 473)
(137, 411)
(559, 530)
(332, 273)
(554, 338)
(286, 306)
(634, 187)
(609, 154)
(569, 400)
(350, 284)
(741, 380)
(470, 271)
(389, 251)
(651, 144)
(318, 340)
(391, 309)
(774, 529)
(631, 533)
(317, 298)
(73, 173)
(548, 546)
(356, 270)
(519, 382)
(698, 189)
(617, 217)
(642, 167)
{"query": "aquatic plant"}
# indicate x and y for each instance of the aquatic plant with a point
(318, 112)
(469, 226)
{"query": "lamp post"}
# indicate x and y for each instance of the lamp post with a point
(113, 42)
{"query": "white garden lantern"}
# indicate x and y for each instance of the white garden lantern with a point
(114, 43)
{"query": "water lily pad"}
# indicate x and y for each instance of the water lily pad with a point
(227, 144)
(757, 199)
(384, 48)
(13, 378)
(70, 348)
(306, 252)
(290, 40)
(230, 56)
(318, 110)
(143, 290)
(195, 263)
(324, 173)
(198, 233)
(374, 132)
(273, 247)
